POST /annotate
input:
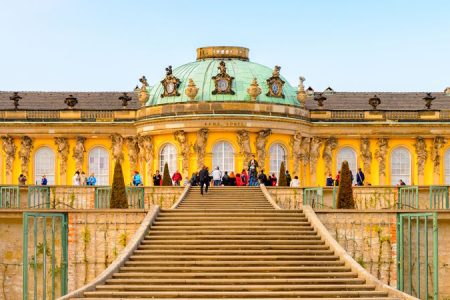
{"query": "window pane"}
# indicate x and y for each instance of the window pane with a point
(44, 164)
(400, 166)
(349, 155)
(223, 156)
(99, 165)
(277, 156)
(447, 166)
(168, 154)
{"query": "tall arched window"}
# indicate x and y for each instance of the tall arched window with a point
(277, 156)
(99, 165)
(44, 164)
(223, 156)
(349, 155)
(400, 166)
(447, 166)
(168, 154)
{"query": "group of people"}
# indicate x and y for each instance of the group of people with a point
(176, 179)
(80, 179)
(335, 182)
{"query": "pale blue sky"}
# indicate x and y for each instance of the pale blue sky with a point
(87, 45)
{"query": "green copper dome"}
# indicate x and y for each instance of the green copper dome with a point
(202, 71)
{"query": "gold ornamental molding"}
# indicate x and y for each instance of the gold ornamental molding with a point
(222, 52)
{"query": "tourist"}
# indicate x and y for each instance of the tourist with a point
(253, 162)
(262, 178)
(252, 177)
(273, 180)
(295, 182)
(193, 180)
(186, 181)
(360, 177)
(226, 179)
(217, 176)
(338, 177)
(137, 180)
(22, 179)
(157, 178)
(43, 180)
(401, 182)
(244, 177)
(239, 180)
(288, 178)
(176, 178)
(351, 175)
(76, 179)
(83, 178)
(204, 179)
(329, 181)
(232, 179)
(91, 180)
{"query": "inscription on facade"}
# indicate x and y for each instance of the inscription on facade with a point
(225, 124)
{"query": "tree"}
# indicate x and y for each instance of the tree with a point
(282, 177)
(345, 193)
(118, 193)
(167, 181)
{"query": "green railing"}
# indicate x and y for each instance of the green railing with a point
(414, 232)
(135, 195)
(38, 197)
(408, 197)
(102, 197)
(45, 255)
(313, 197)
(439, 197)
(9, 197)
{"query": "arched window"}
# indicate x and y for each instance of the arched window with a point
(44, 164)
(349, 155)
(99, 165)
(168, 154)
(277, 156)
(223, 156)
(447, 166)
(400, 166)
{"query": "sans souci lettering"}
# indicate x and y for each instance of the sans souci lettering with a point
(224, 124)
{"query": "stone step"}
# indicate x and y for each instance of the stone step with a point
(236, 275)
(233, 212)
(242, 237)
(247, 270)
(242, 258)
(266, 233)
(230, 263)
(233, 226)
(193, 281)
(232, 287)
(234, 252)
(233, 247)
(230, 218)
(234, 294)
(222, 242)
(260, 298)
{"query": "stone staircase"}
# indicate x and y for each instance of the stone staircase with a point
(232, 244)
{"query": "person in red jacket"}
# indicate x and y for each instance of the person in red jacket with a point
(176, 178)
(239, 180)
(244, 177)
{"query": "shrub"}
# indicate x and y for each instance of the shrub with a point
(167, 181)
(345, 193)
(282, 177)
(118, 193)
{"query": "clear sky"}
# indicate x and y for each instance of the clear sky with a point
(358, 45)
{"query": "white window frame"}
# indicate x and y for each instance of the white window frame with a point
(44, 165)
(277, 155)
(168, 153)
(349, 154)
(223, 156)
(400, 165)
(94, 165)
(447, 167)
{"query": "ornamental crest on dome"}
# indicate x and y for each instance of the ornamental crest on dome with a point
(223, 81)
(170, 84)
(275, 84)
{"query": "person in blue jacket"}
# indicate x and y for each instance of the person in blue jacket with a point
(137, 181)
(91, 180)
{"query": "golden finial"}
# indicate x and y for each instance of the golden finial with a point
(301, 94)
(191, 90)
(254, 90)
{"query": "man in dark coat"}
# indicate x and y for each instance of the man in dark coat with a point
(204, 179)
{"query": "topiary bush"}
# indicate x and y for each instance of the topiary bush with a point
(282, 177)
(118, 194)
(167, 181)
(345, 192)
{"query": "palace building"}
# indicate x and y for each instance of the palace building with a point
(218, 111)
